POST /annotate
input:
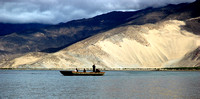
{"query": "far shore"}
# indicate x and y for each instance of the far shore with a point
(114, 69)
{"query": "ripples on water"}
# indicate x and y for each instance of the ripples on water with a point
(30, 84)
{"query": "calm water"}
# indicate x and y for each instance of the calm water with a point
(30, 84)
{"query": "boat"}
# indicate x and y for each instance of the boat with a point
(74, 73)
(95, 72)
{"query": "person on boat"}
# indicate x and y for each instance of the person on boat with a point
(93, 66)
(84, 70)
(97, 70)
(76, 70)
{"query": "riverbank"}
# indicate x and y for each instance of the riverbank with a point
(115, 69)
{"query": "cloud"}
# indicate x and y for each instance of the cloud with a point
(56, 11)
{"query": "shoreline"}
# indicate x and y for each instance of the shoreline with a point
(114, 69)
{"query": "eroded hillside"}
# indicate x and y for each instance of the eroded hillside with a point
(135, 46)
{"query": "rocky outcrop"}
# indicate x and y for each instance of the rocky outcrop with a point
(191, 59)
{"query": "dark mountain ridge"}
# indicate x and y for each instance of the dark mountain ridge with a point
(7, 28)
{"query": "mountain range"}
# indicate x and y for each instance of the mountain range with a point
(149, 38)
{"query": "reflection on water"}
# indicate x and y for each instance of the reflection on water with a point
(114, 85)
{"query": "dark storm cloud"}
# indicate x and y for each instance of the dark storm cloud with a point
(55, 11)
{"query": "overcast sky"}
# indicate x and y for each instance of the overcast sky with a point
(56, 11)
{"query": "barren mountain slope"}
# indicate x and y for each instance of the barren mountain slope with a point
(56, 37)
(191, 59)
(153, 37)
(134, 46)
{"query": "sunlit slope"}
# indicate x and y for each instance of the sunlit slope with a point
(135, 46)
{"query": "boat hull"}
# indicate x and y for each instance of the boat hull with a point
(73, 73)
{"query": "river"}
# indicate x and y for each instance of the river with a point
(32, 84)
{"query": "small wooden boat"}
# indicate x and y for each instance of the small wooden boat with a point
(74, 73)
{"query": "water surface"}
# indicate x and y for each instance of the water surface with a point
(32, 84)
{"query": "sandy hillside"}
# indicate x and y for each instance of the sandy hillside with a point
(164, 44)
